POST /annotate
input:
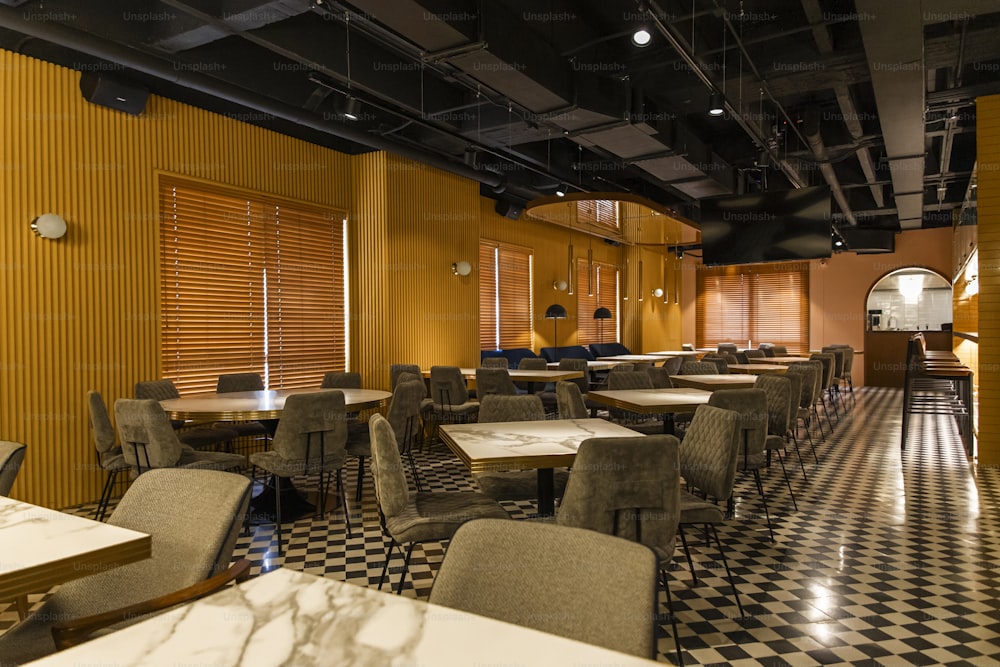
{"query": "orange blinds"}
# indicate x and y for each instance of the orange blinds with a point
(605, 282)
(598, 212)
(248, 284)
(754, 304)
(505, 305)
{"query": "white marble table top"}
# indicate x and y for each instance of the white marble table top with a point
(652, 401)
(524, 374)
(43, 547)
(625, 358)
(551, 443)
(291, 618)
(757, 369)
(780, 360)
(675, 353)
(253, 405)
(715, 381)
(592, 365)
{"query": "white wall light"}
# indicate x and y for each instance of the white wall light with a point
(49, 226)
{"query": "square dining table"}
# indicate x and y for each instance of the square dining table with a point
(664, 402)
(542, 445)
(715, 381)
(784, 361)
(757, 369)
(44, 547)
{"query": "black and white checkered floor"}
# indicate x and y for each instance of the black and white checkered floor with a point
(891, 558)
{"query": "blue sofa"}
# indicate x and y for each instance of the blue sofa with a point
(513, 355)
(608, 349)
(566, 352)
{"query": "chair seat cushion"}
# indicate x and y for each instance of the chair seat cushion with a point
(695, 510)
(114, 460)
(274, 463)
(436, 516)
(774, 442)
(517, 484)
(210, 460)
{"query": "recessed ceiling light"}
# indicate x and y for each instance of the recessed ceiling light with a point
(641, 37)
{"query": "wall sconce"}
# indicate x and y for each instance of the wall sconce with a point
(462, 268)
(559, 285)
(49, 226)
(657, 292)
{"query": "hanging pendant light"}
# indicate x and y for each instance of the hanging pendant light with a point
(590, 272)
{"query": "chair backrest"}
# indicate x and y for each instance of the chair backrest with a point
(392, 491)
(194, 517)
(751, 405)
(404, 411)
(628, 487)
(630, 380)
(556, 576)
(710, 449)
(720, 361)
(828, 361)
(406, 376)
(741, 357)
(494, 381)
(754, 354)
(795, 383)
(767, 349)
(838, 360)
(728, 348)
(848, 360)
(569, 401)
(495, 362)
(533, 364)
(100, 424)
(660, 377)
(146, 436)
(673, 365)
(779, 350)
(778, 391)
(505, 408)
(309, 420)
(448, 385)
(160, 390)
(698, 368)
(818, 387)
(808, 374)
(396, 369)
(231, 382)
(11, 457)
(575, 364)
(341, 380)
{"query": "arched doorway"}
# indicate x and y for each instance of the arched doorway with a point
(900, 303)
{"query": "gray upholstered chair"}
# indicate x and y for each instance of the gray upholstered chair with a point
(829, 366)
(532, 364)
(795, 393)
(751, 404)
(709, 451)
(449, 399)
(848, 365)
(561, 574)
(839, 357)
(673, 365)
(194, 518)
(570, 401)
(396, 369)
(660, 377)
(741, 357)
(754, 354)
(727, 348)
(628, 487)
(721, 362)
(109, 454)
(698, 368)
(637, 379)
(779, 350)
(11, 457)
(493, 381)
(195, 436)
(341, 380)
(514, 484)
(413, 518)
(309, 440)
(495, 362)
(148, 441)
(404, 416)
(809, 376)
(778, 391)
(234, 382)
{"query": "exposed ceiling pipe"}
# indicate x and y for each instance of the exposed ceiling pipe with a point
(810, 128)
(152, 66)
(951, 121)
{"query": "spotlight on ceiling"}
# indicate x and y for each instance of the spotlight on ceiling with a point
(715, 105)
(351, 109)
(562, 189)
(641, 37)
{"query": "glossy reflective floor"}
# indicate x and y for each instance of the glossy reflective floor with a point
(891, 558)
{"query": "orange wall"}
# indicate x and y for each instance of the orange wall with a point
(988, 149)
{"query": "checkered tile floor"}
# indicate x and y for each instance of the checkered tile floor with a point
(891, 558)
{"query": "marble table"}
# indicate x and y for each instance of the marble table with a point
(591, 365)
(675, 353)
(286, 617)
(665, 402)
(784, 361)
(756, 369)
(43, 547)
(257, 405)
(542, 445)
(715, 381)
(524, 375)
(635, 358)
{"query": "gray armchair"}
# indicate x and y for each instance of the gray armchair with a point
(109, 454)
(195, 436)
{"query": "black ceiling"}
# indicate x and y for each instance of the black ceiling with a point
(873, 97)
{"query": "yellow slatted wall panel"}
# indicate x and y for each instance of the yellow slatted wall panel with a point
(988, 150)
(81, 312)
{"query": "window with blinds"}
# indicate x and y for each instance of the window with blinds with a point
(598, 212)
(505, 304)
(604, 279)
(248, 284)
(747, 305)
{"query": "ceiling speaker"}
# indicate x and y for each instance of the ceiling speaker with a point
(113, 93)
(869, 241)
(508, 209)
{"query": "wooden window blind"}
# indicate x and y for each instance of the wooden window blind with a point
(605, 281)
(248, 284)
(598, 212)
(748, 305)
(505, 303)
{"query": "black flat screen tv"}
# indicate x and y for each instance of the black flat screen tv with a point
(767, 227)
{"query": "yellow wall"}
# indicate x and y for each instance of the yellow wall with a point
(988, 151)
